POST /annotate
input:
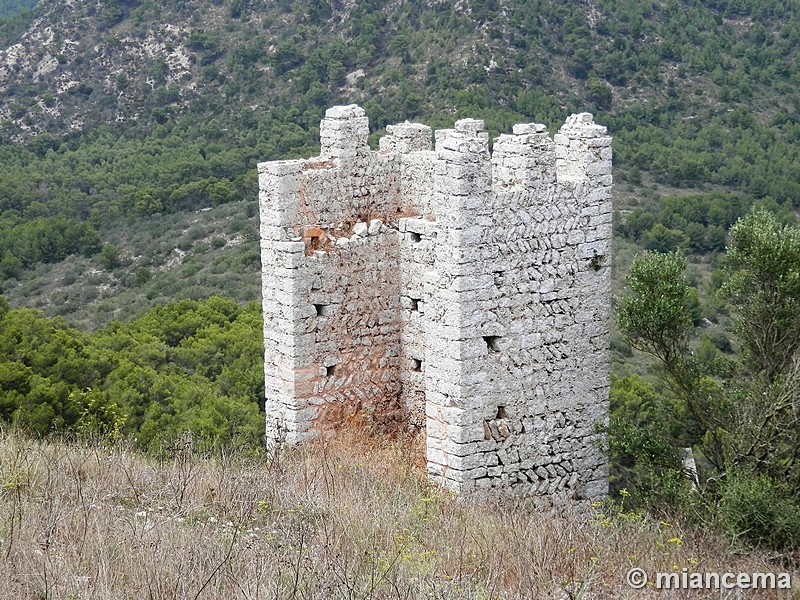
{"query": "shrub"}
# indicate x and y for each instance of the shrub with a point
(760, 511)
(109, 257)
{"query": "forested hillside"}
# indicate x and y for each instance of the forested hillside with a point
(125, 112)
(129, 136)
(14, 7)
(188, 367)
(120, 111)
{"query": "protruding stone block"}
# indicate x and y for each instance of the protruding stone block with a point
(344, 132)
(528, 128)
(579, 151)
(406, 137)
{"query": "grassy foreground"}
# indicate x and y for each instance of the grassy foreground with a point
(352, 518)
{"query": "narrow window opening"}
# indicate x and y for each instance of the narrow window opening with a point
(323, 310)
(417, 366)
(492, 342)
(329, 371)
(415, 237)
(415, 304)
(597, 261)
(315, 243)
(501, 412)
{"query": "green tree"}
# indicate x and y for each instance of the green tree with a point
(186, 367)
(600, 93)
(643, 430)
(764, 287)
(748, 427)
(99, 416)
(654, 316)
(109, 257)
(15, 380)
(663, 239)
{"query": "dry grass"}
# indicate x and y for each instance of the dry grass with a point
(350, 519)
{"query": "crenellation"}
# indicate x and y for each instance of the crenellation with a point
(583, 151)
(453, 290)
(523, 160)
(406, 138)
(473, 129)
(344, 132)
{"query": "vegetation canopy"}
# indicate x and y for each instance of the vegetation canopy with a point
(190, 367)
(743, 418)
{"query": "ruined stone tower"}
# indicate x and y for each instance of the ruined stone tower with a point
(460, 291)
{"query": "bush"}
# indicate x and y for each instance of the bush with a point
(109, 257)
(758, 510)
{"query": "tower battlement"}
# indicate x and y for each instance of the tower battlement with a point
(436, 285)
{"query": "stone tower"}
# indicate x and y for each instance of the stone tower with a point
(463, 292)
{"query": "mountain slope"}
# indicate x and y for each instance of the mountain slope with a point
(118, 61)
(14, 7)
(115, 112)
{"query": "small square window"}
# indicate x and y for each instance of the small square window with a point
(492, 342)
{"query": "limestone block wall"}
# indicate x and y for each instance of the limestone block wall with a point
(518, 359)
(330, 271)
(451, 289)
(418, 239)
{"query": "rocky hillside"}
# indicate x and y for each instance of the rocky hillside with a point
(82, 64)
(114, 114)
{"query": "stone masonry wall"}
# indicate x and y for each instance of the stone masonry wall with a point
(518, 358)
(453, 290)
